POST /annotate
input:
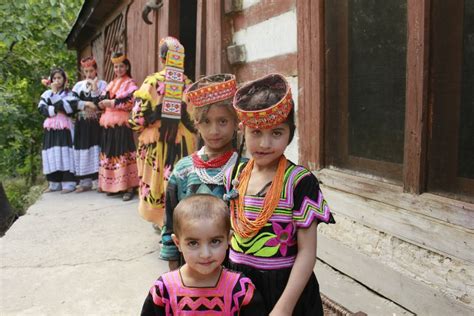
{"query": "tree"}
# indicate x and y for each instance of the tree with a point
(31, 42)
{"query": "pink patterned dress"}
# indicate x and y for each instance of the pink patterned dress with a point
(234, 294)
(118, 166)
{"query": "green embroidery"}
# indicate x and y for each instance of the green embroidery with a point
(235, 244)
(260, 242)
(267, 251)
(248, 242)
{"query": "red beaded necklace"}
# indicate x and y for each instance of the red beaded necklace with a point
(214, 163)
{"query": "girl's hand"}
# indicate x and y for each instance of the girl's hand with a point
(90, 106)
(106, 104)
(54, 87)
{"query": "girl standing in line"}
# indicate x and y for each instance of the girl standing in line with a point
(57, 153)
(118, 166)
(275, 204)
(203, 171)
(162, 119)
(87, 131)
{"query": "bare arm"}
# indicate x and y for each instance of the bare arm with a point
(301, 271)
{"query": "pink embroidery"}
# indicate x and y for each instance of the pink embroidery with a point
(284, 237)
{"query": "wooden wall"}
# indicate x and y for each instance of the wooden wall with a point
(253, 25)
(141, 42)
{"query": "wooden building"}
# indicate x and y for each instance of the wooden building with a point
(385, 109)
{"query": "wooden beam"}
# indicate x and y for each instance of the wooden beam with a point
(310, 30)
(200, 39)
(261, 11)
(214, 57)
(284, 64)
(416, 113)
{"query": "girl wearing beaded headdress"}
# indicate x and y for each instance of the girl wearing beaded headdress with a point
(166, 130)
(87, 130)
(118, 167)
(275, 204)
(57, 154)
(203, 171)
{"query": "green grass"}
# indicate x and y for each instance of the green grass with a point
(21, 195)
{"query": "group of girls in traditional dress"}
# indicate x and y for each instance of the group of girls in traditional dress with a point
(265, 208)
(273, 205)
(87, 141)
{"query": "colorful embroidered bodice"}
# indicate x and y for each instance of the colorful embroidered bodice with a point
(232, 292)
(275, 245)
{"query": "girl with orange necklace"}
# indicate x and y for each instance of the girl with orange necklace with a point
(275, 204)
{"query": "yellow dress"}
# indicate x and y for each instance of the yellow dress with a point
(155, 157)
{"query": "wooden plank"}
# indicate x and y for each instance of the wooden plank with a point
(426, 232)
(336, 82)
(201, 39)
(445, 94)
(141, 42)
(284, 64)
(214, 46)
(311, 60)
(439, 208)
(416, 113)
(261, 11)
(402, 289)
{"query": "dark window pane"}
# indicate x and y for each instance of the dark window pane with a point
(466, 127)
(377, 63)
(366, 50)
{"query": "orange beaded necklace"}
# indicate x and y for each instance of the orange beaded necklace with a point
(242, 225)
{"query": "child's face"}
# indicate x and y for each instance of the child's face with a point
(203, 244)
(267, 145)
(217, 129)
(58, 79)
(89, 72)
(120, 69)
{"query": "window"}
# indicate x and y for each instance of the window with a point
(366, 53)
(393, 81)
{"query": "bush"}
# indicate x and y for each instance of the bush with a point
(21, 195)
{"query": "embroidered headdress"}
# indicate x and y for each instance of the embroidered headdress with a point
(174, 78)
(88, 62)
(118, 58)
(212, 89)
(270, 116)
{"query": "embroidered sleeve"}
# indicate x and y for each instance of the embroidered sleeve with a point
(310, 204)
(248, 298)
(45, 107)
(79, 104)
(125, 103)
(156, 303)
(124, 99)
(142, 112)
(64, 102)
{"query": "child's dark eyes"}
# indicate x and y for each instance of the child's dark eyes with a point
(223, 121)
(216, 242)
(256, 132)
(192, 243)
(277, 133)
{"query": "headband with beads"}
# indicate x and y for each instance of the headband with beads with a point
(271, 116)
(216, 88)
